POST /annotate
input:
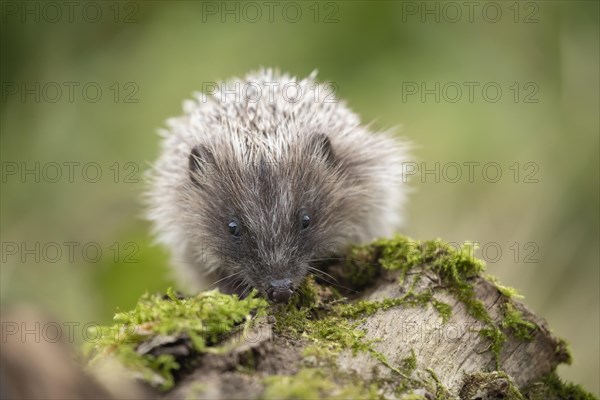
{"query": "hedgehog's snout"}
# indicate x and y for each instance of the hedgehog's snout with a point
(280, 291)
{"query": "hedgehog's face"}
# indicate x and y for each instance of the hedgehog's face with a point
(268, 220)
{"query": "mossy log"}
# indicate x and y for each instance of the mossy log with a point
(398, 319)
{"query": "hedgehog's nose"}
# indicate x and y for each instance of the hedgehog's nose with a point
(280, 291)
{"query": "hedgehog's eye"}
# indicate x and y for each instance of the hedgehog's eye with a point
(234, 227)
(304, 219)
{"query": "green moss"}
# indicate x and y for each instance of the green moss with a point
(409, 364)
(302, 322)
(441, 393)
(551, 387)
(402, 253)
(497, 339)
(321, 320)
(505, 290)
(307, 294)
(338, 333)
(311, 383)
(196, 390)
(205, 319)
(489, 385)
(364, 307)
(563, 352)
(455, 269)
(426, 297)
(513, 320)
(338, 329)
(320, 354)
(290, 320)
(332, 333)
(361, 269)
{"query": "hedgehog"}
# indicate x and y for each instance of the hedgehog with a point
(264, 177)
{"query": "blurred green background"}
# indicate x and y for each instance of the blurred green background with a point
(546, 224)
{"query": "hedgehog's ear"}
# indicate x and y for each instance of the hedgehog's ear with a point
(201, 163)
(322, 145)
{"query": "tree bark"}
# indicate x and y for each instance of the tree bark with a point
(426, 347)
(453, 360)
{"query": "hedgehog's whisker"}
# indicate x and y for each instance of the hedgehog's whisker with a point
(227, 277)
(240, 283)
(336, 284)
(327, 259)
(313, 269)
(248, 287)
